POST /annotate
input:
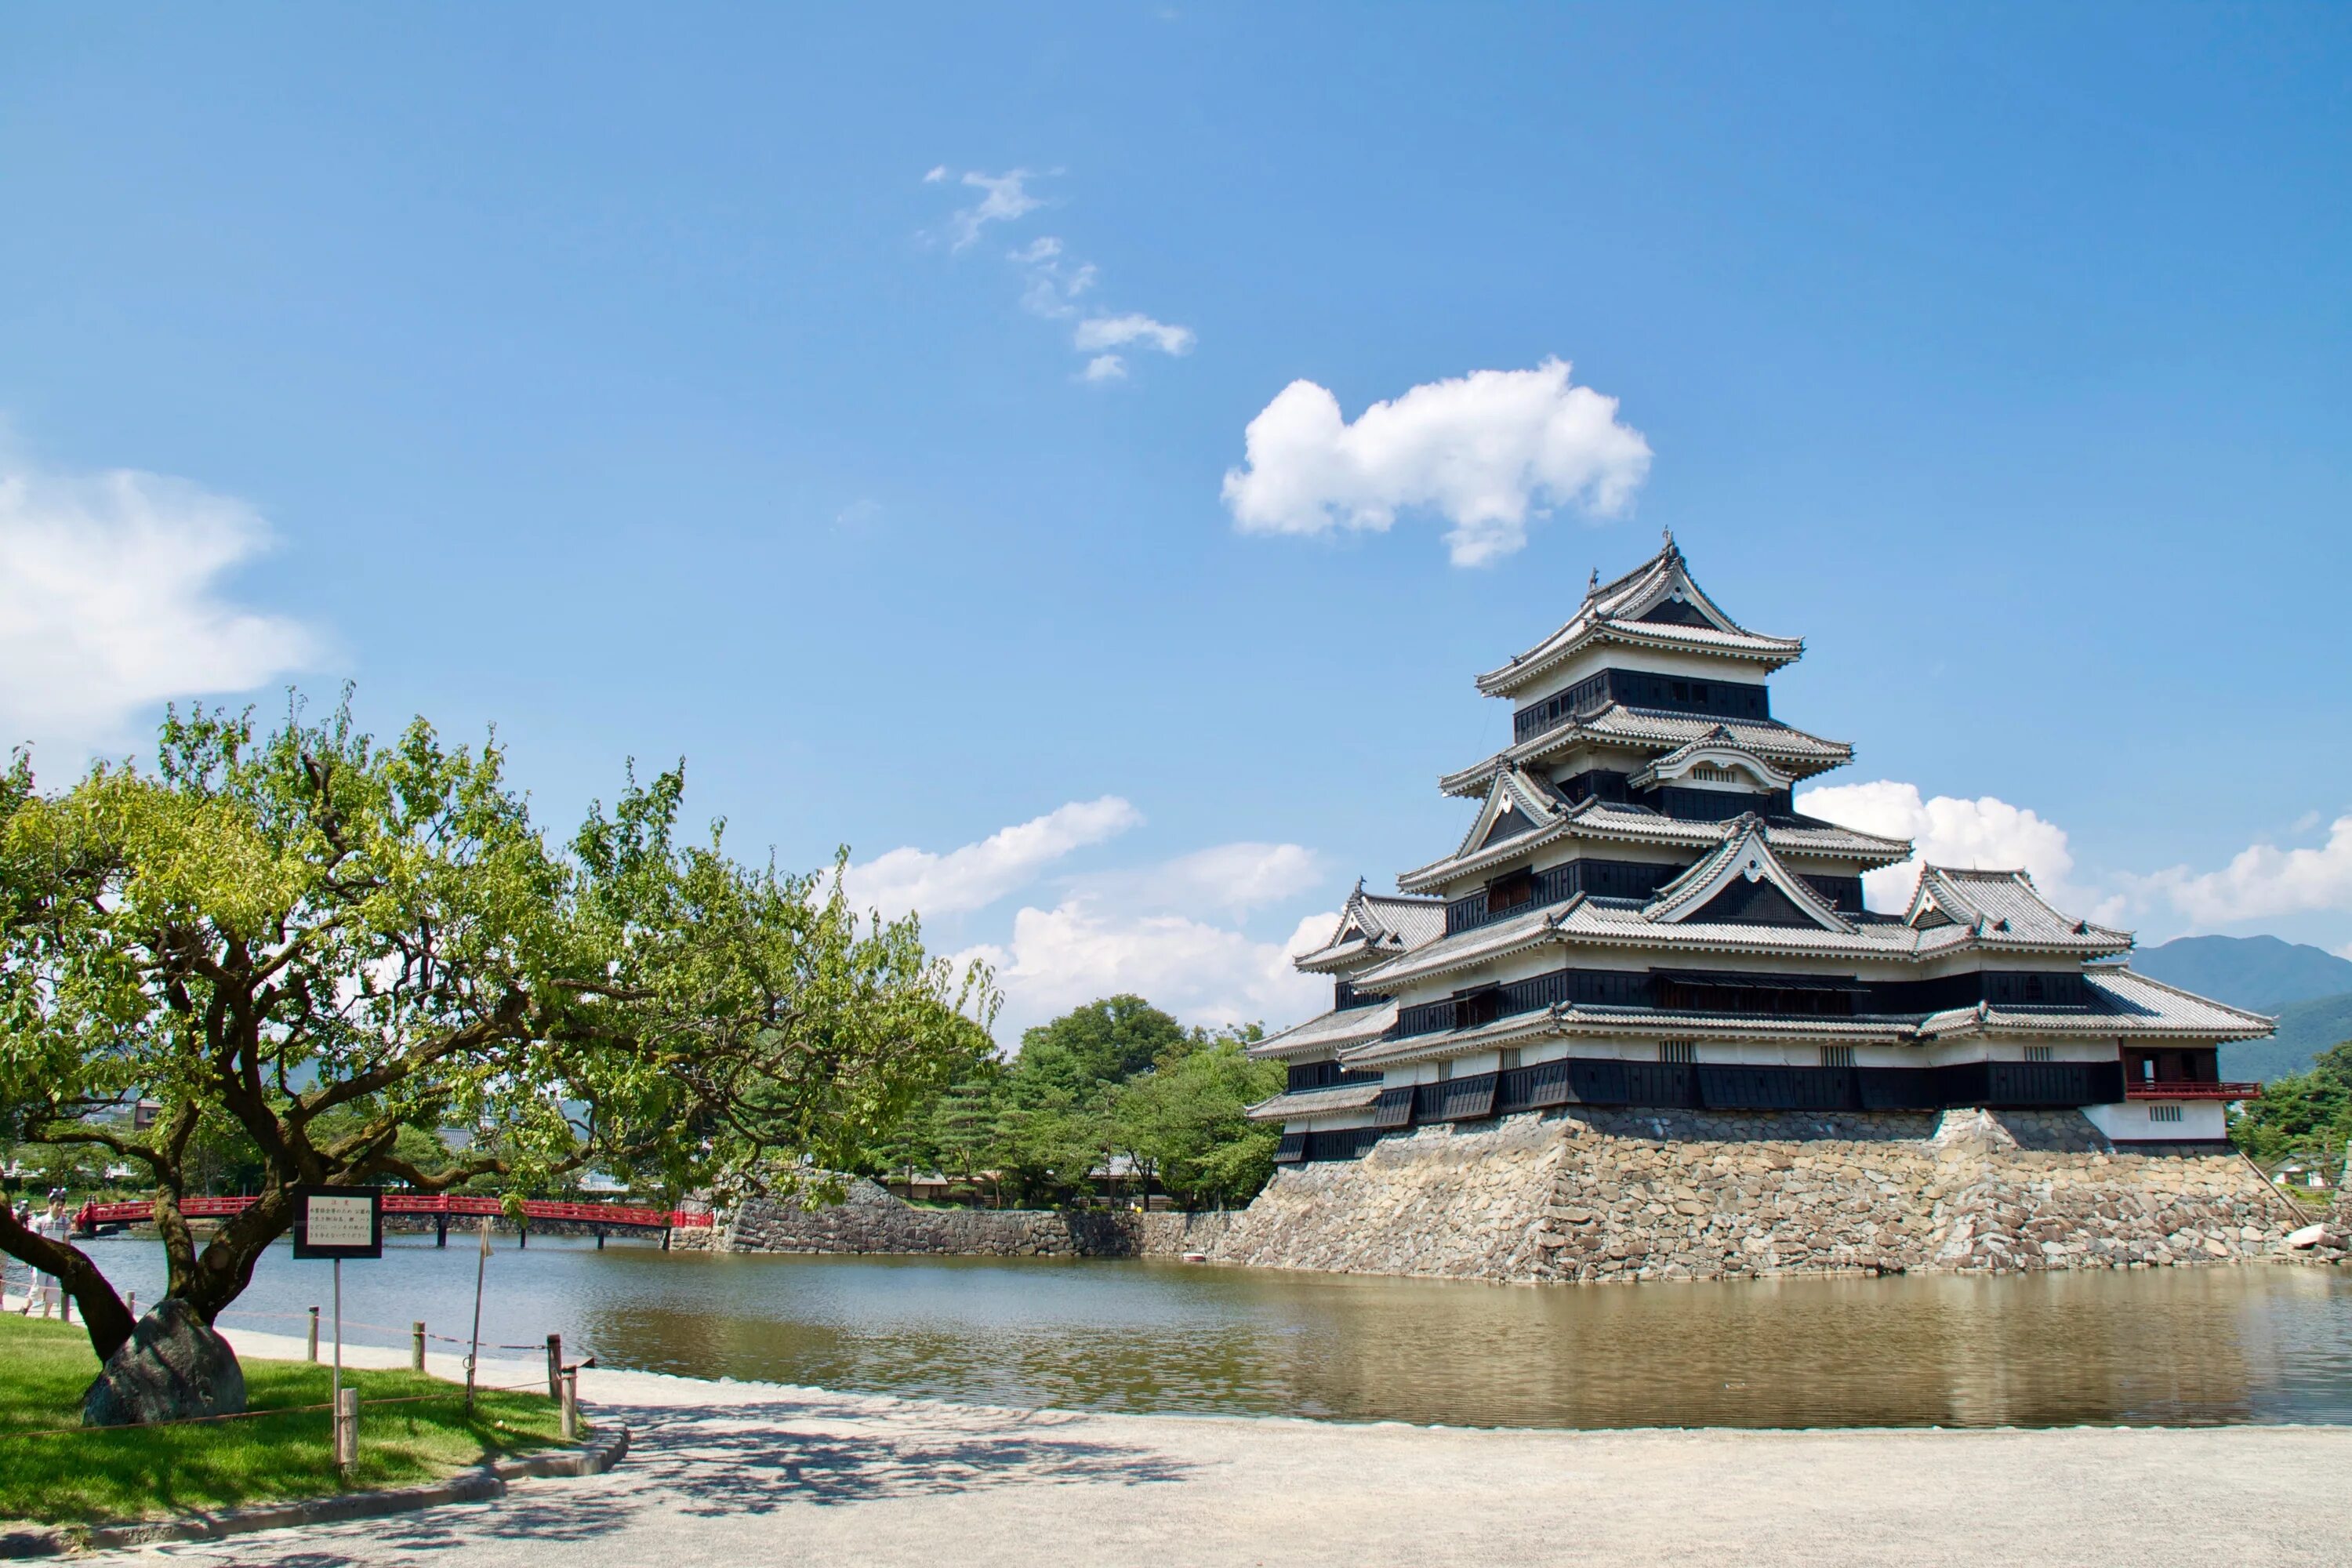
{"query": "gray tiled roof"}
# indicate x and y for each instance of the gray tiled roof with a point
(1412, 921)
(1787, 835)
(1790, 750)
(1613, 612)
(1621, 924)
(1327, 1033)
(2005, 901)
(1374, 926)
(1315, 1101)
(2125, 1006)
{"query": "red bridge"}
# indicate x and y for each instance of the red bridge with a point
(442, 1206)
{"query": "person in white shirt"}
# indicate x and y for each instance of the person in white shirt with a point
(56, 1225)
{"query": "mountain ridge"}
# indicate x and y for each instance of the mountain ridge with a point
(2307, 989)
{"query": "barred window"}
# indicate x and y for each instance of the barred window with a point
(2041, 1053)
(1837, 1056)
(2164, 1114)
(1684, 1051)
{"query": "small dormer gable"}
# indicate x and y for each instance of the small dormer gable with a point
(1515, 807)
(1715, 761)
(1744, 883)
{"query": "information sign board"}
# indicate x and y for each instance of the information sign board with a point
(338, 1222)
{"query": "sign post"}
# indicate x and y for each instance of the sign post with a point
(336, 1223)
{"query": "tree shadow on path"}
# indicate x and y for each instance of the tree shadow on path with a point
(734, 1460)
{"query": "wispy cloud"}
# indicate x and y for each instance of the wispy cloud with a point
(1003, 197)
(1054, 284)
(112, 600)
(1483, 452)
(1115, 331)
(977, 875)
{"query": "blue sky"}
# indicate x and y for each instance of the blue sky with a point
(617, 376)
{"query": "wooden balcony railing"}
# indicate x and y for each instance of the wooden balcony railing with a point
(2144, 1089)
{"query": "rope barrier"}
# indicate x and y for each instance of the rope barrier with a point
(404, 1332)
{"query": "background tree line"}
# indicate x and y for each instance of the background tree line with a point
(2303, 1115)
(1115, 1100)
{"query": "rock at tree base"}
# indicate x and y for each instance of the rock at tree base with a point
(173, 1366)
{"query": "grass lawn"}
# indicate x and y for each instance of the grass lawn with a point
(134, 1472)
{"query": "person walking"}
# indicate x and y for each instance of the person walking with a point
(57, 1226)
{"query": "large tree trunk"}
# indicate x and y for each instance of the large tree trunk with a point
(209, 1280)
(104, 1316)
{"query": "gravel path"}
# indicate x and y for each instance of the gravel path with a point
(724, 1473)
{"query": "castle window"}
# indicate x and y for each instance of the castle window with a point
(2041, 1053)
(1685, 1051)
(1473, 1008)
(1837, 1056)
(1510, 892)
(2164, 1114)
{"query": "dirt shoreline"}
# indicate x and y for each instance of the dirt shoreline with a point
(727, 1472)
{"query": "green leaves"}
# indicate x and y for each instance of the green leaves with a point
(318, 953)
(2309, 1114)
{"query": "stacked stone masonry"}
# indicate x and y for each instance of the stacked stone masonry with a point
(1592, 1195)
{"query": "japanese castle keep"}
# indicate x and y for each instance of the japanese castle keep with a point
(1638, 1022)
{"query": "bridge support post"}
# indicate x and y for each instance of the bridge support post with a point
(523, 1233)
(664, 1238)
(600, 1238)
(441, 1229)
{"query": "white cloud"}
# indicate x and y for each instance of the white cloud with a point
(1227, 878)
(1053, 288)
(977, 875)
(1053, 282)
(1062, 957)
(1482, 451)
(1004, 198)
(1986, 833)
(1114, 331)
(2262, 881)
(111, 600)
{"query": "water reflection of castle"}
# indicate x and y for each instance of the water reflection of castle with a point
(1640, 917)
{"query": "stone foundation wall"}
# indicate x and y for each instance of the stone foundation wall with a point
(1589, 1194)
(1707, 1196)
(1467, 1202)
(872, 1219)
(1594, 1194)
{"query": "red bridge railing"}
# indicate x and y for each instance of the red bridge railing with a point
(468, 1204)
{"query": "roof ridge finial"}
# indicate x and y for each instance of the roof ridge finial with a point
(1667, 535)
(1593, 584)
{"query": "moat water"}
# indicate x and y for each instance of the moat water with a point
(2204, 1346)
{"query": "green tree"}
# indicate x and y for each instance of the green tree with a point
(337, 948)
(2308, 1114)
(1185, 1122)
(1108, 1041)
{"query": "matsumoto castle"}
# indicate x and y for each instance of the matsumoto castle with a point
(1639, 918)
